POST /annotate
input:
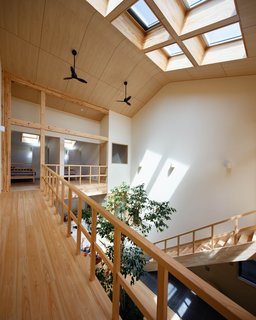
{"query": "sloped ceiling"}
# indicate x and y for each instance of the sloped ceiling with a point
(37, 36)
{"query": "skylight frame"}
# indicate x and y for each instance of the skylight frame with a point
(210, 43)
(194, 3)
(69, 144)
(178, 51)
(138, 16)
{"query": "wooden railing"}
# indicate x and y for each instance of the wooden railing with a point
(209, 233)
(82, 173)
(54, 188)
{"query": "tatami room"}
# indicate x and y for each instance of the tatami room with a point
(154, 92)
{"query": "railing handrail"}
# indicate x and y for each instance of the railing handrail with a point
(75, 165)
(212, 296)
(233, 218)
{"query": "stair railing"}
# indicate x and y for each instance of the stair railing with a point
(54, 187)
(210, 229)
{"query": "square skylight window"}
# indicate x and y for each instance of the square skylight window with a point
(192, 3)
(143, 15)
(173, 50)
(225, 34)
(69, 144)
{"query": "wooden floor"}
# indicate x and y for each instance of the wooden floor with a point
(40, 275)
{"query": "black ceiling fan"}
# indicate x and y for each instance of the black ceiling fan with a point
(126, 99)
(73, 70)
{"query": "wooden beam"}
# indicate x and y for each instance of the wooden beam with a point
(34, 125)
(171, 15)
(42, 135)
(57, 94)
(6, 135)
(114, 11)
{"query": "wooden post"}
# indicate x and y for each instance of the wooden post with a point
(80, 174)
(6, 135)
(90, 175)
(236, 231)
(42, 136)
(69, 209)
(162, 293)
(99, 175)
(57, 195)
(212, 236)
(116, 270)
(93, 240)
(62, 202)
(52, 185)
(194, 238)
(79, 219)
(165, 245)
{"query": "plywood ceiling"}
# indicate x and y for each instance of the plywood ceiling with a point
(37, 36)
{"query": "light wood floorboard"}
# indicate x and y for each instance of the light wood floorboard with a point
(40, 275)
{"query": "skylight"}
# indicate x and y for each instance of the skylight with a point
(221, 35)
(192, 3)
(173, 50)
(143, 15)
(30, 138)
(69, 144)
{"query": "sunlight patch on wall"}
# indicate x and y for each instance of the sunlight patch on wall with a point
(168, 180)
(146, 168)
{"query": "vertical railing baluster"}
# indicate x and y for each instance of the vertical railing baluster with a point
(236, 231)
(162, 293)
(116, 270)
(52, 193)
(194, 239)
(79, 220)
(178, 246)
(93, 240)
(80, 174)
(69, 209)
(212, 236)
(62, 201)
(57, 195)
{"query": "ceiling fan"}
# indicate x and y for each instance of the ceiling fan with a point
(126, 99)
(73, 70)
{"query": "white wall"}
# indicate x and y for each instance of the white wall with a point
(29, 111)
(196, 127)
(119, 132)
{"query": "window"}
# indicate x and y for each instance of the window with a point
(119, 153)
(247, 271)
(143, 15)
(192, 3)
(221, 35)
(30, 138)
(173, 50)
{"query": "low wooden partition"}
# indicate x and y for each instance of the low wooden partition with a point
(54, 188)
(81, 172)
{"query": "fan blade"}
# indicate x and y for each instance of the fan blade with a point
(120, 101)
(129, 104)
(128, 98)
(81, 80)
(67, 78)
